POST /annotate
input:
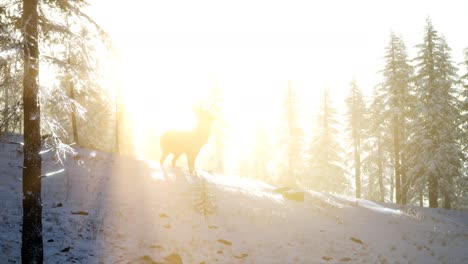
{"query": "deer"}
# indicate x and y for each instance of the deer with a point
(187, 142)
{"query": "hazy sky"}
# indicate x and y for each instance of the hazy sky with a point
(327, 41)
(172, 52)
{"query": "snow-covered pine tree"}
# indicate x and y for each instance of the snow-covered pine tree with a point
(76, 108)
(292, 140)
(10, 94)
(58, 37)
(395, 93)
(204, 202)
(436, 159)
(464, 96)
(33, 31)
(327, 171)
(462, 203)
(11, 69)
(355, 117)
(375, 149)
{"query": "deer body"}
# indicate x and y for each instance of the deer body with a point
(186, 142)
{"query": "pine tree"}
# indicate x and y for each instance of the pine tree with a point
(29, 28)
(326, 163)
(11, 69)
(356, 109)
(463, 181)
(375, 146)
(292, 140)
(436, 133)
(464, 96)
(77, 101)
(204, 202)
(68, 51)
(395, 91)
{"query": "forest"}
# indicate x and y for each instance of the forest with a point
(402, 141)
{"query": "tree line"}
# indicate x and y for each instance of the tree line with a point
(407, 142)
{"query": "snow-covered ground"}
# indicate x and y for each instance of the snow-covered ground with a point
(108, 209)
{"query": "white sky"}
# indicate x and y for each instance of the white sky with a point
(328, 41)
(173, 51)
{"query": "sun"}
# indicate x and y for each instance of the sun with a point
(170, 59)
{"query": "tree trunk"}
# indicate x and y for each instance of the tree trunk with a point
(403, 169)
(73, 114)
(421, 201)
(396, 160)
(447, 201)
(357, 167)
(447, 195)
(392, 185)
(370, 187)
(7, 95)
(433, 191)
(72, 92)
(404, 184)
(380, 170)
(32, 245)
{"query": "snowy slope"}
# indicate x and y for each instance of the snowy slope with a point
(107, 209)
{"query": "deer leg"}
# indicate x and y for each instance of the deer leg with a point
(191, 162)
(163, 158)
(174, 159)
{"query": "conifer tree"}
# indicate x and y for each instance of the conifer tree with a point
(34, 29)
(464, 96)
(395, 91)
(356, 109)
(436, 131)
(327, 171)
(292, 140)
(375, 149)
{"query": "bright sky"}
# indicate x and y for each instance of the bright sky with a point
(172, 52)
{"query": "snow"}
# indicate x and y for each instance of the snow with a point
(139, 214)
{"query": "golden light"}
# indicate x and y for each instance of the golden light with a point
(173, 52)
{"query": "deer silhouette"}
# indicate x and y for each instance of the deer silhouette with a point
(187, 142)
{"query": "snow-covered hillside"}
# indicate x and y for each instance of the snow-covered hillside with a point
(108, 209)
